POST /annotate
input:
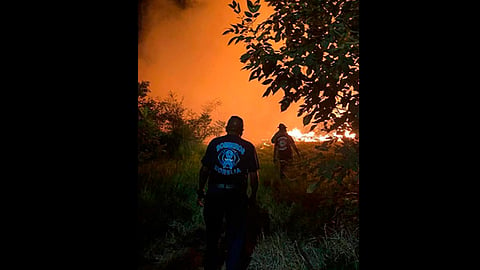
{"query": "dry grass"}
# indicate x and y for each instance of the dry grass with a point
(277, 252)
(308, 230)
(314, 222)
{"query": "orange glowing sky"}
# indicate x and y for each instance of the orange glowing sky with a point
(183, 50)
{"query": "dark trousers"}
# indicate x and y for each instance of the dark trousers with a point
(232, 206)
(283, 167)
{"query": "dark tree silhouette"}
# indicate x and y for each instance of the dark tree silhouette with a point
(310, 50)
(166, 124)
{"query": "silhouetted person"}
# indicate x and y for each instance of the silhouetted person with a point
(229, 162)
(282, 150)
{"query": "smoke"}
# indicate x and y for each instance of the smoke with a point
(181, 49)
(183, 4)
(152, 13)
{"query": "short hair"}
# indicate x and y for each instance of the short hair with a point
(234, 124)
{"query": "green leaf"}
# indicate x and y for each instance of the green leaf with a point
(231, 40)
(253, 7)
(238, 39)
(306, 119)
(244, 57)
(250, 6)
(261, 36)
(324, 44)
(311, 188)
(248, 14)
(238, 9)
(227, 31)
(284, 104)
(278, 37)
(267, 92)
(236, 28)
(254, 74)
(249, 66)
(296, 70)
(275, 89)
(267, 81)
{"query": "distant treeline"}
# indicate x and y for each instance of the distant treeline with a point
(166, 128)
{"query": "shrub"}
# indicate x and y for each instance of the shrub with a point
(166, 127)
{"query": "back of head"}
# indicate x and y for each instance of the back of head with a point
(235, 125)
(282, 127)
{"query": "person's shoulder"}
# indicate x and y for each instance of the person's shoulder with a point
(248, 143)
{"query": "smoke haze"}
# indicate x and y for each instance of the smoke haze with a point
(181, 49)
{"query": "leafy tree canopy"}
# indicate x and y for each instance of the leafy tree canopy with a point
(310, 50)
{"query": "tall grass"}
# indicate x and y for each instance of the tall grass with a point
(309, 228)
(168, 214)
(312, 228)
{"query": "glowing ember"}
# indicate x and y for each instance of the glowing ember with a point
(298, 136)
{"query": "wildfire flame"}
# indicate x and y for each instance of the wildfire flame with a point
(298, 136)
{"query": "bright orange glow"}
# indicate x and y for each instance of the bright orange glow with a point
(348, 134)
(182, 49)
(307, 137)
(312, 137)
